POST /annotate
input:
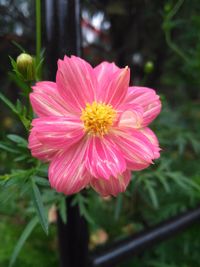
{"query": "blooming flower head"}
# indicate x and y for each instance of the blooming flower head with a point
(92, 127)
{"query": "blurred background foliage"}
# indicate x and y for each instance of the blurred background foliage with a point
(160, 41)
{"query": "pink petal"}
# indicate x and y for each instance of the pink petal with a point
(105, 70)
(131, 116)
(46, 100)
(148, 99)
(113, 83)
(103, 158)
(76, 82)
(113, 186)
(136, 148)
(58, 132)
(153, 139)
(39, 150)
(67, 172)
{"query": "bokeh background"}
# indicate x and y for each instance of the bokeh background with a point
(160, 42)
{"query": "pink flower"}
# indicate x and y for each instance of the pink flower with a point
(92, 127)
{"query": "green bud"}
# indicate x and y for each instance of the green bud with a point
(148, 67)
(167, 7)
(25, 66)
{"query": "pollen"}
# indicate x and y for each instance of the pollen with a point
(98, 118)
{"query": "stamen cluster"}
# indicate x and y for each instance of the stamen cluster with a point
(98, 118)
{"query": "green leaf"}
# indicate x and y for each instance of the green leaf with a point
(8, 103)
(163, 180)
(191, 183)
(20, 158)
(118, 206)
(24, 236)
(13, 62)
(177, 177)
(18, 139)
(8, 149)
(41, 181)
(37, 200)
(152, 193)
(21, 114)
(82, 201)
(18, 46)
(17, 78)
(195, 145)
(63, 209)
(42, 169)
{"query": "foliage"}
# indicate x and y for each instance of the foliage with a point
(170, 186)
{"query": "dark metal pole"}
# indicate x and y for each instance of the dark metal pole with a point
(63, 36)
(122, 250)
(73, 238)
(63, 31)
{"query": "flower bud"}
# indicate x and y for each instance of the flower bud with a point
(167, 7)
(148, 67)
(25, 66)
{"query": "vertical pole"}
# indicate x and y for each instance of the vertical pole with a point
(63, 31)
(63, 36)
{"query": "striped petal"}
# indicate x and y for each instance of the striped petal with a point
(153, 139)
(112, 83)
(67, 172)
(104, 72)
(148, 99)
(46, 101)
(58, 132)
(136, 148)
(130, 116)
(76, 82)
(39, 150)
(113, 186)
(103, 158)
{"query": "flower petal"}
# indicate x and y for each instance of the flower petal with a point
(39, 150)
(105, 71)
(103, 158)
(46, 100)
(153, 139)
(67, 172)
(148, 99)
(131, 116)
(58, 132)
(76, 82)
(136, 148)
(113, 83)
(113, 186)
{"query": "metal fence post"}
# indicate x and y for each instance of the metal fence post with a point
(63, 36)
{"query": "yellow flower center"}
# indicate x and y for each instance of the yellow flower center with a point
(98, 118)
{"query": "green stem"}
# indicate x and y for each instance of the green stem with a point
(175, 9)
(175, 48)
(167, 30)
(38, 34)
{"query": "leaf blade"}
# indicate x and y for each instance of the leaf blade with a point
(37, 200)
(24, 236)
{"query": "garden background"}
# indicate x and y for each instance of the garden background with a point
(160, 42)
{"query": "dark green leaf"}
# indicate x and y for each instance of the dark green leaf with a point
(152, 193)
(41, 181)
(8, 103)
(24, 236)
(37, 200)
(8, 149)
(63, 209)
(19, 46)
(118, 206)
(17, 139)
